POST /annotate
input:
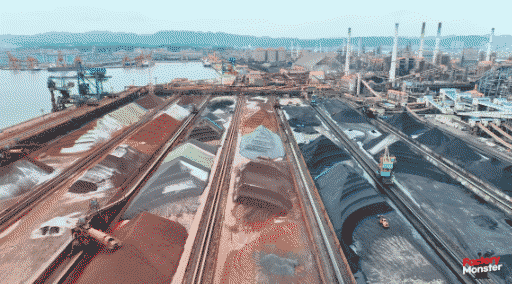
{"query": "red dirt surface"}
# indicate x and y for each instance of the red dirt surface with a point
(150, 101)
(154, 134)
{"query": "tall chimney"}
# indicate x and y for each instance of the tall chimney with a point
(488, 58)
(360, 45)
(422, 40)
(347, 59)
(438, 41)
(392, 70)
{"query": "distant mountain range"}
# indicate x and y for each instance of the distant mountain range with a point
(109, 41)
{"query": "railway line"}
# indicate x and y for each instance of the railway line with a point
(66, 267)
(10, 215)
(203, 259)
(447, 250)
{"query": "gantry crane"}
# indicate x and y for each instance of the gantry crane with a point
(87, 78)
(60, 60)
(31, 62)
(13, 61)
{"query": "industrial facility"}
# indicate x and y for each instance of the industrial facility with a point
(329, 165)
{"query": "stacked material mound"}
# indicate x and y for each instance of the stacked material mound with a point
(321, 153)
(302, 119)
(196, 151)
(343, 191)
(342, 113)
(261, 117)
(177, 112)
(19, 177)
(206, 130)
(151, 250)
(67, 141)
(212, 117)
(153, 135)
(411, 163)
(102, 132)
(406, 123)
(261, 143)
(449, 147)
(275, 257)
(220, 104)
(173, 181)
(112, 171)
(374, 142)
(265, 184)
(190, 100)
(128, 114)
(494, 171)
(149, 101)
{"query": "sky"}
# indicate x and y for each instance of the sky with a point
(297, 19)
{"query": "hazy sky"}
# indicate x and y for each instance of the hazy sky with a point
(301, 19)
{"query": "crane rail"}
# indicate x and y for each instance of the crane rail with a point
(204, 253)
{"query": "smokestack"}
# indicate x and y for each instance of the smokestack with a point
(438, 41)
(392, 70)
(360, 45)
(347, 59)
(422, 41)
(488, 58)
(358, 84)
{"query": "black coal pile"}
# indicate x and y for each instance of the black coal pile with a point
(409, 162)
(321, 154)
(405, 123)
(302, 119)
(374, 142)
(222, 104)
(342, 113)
(494, 171)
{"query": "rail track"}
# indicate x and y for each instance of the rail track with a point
(441, 244)
(203, 259)
(12, 214)
(330, 257)
(63, 268)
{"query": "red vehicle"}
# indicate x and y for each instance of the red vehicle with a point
(383, 221)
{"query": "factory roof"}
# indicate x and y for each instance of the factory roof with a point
(308, 61)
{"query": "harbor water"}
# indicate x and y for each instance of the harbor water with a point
(24, 94)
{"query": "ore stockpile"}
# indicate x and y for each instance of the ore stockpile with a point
(264, 237)
(156, 224)
(472, 224)
(375, 254)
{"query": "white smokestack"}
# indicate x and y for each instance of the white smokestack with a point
(347, 59)
(392, 70)
(488, 58)
(438, 41)
(422, 41)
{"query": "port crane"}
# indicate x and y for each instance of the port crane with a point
(90, 87)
